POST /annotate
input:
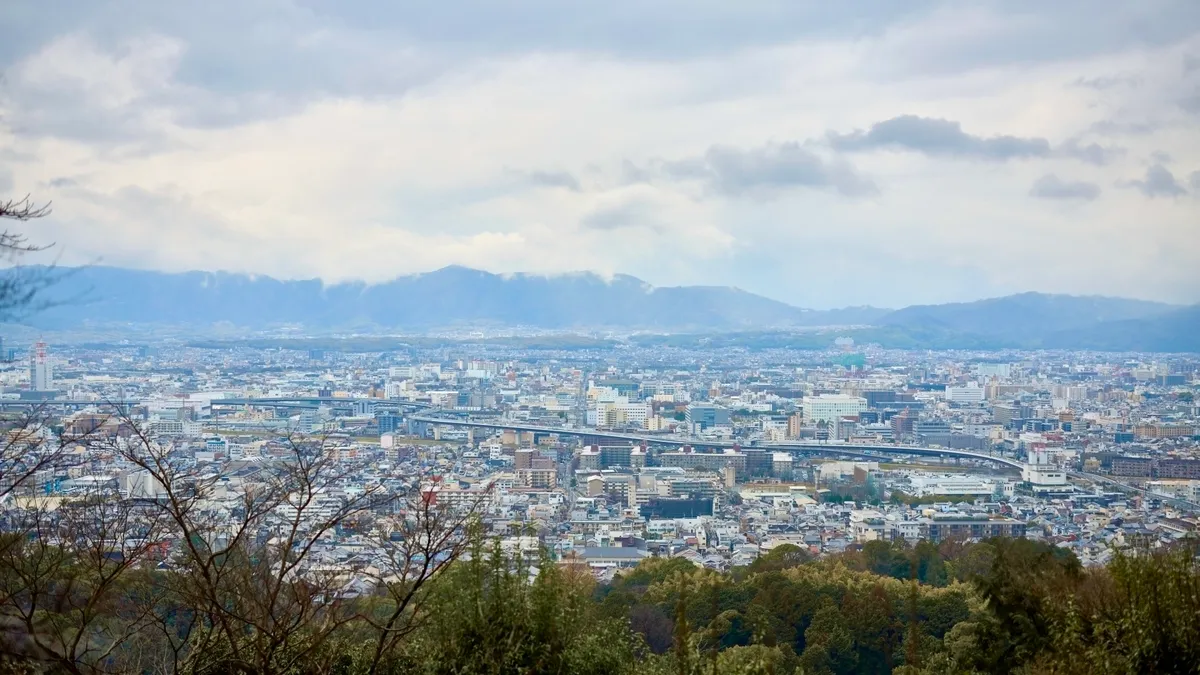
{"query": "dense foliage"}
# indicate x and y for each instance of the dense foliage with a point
(997, 606)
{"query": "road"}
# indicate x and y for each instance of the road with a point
(876, 452)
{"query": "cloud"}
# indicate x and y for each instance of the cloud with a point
(1115, 128)
(311, 138)
(938, 138)
(945, 138)
(769, 169)
(6, 183)
(1091, 153)
(72, 89)
(247, 44)
(555, 179)
(1194, 181)
(632, 173)
(1190, 101)
(654, 219)
(632, 213)
(1158, 182)
(1051, 186)
(1108, 82)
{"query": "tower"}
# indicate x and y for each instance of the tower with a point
(41, 376)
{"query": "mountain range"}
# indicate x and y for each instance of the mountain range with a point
(459, 296)
(447, 297)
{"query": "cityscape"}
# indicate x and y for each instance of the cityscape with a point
(644, 337)
(607, 456)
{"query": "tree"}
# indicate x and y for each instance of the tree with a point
(20, 287)
(1138, 615)
(1024, 575)
(418, 543)
(830, 645)
(20, 209)
(495, 615)
(242, 577)
(779, 558)
(65, 584)
(31, 451)
(257, 598)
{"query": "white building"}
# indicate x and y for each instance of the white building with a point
(832, 407)
(968, 395)
(956, 485)
(139, 484)
(827, 471)
(782, 464)
(41, 374)
(1177, 489)
(1043, 475)
(621, 414)
(998, 370)
(867, 525)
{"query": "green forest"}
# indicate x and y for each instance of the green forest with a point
(997, 606)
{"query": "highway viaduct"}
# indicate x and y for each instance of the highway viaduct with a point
(875, 452)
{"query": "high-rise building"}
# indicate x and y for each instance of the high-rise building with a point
(1007, 414)
(706, 416)
(902, 425)
(794, 424)
(41, 376)
(877, 398)
(523, 459)
(758, 461)
(831, 407)
(388, 423)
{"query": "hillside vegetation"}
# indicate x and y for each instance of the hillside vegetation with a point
(998, 606)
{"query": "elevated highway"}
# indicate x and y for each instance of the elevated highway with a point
(310, 402)
(875, 452)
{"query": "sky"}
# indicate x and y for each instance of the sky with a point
(824, 154)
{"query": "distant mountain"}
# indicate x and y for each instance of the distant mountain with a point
(447, 297)
(116, 299)
(1174, 331)
(1027, 318)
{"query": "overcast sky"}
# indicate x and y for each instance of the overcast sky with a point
(821, 153)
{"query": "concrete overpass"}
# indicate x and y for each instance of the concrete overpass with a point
(72, 404)
(311, 401)
(876, 452)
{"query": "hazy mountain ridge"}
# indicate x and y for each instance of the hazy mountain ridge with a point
(1041, 320)
(459, 296)
(1174, 331)
(1026, 316)
(446, 297)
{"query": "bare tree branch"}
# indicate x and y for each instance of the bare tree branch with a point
(21, 209)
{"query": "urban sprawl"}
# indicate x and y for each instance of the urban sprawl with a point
(605, 456)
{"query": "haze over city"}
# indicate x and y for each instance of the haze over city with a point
(822, 154)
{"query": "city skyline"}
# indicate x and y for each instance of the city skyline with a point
(919, 154)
